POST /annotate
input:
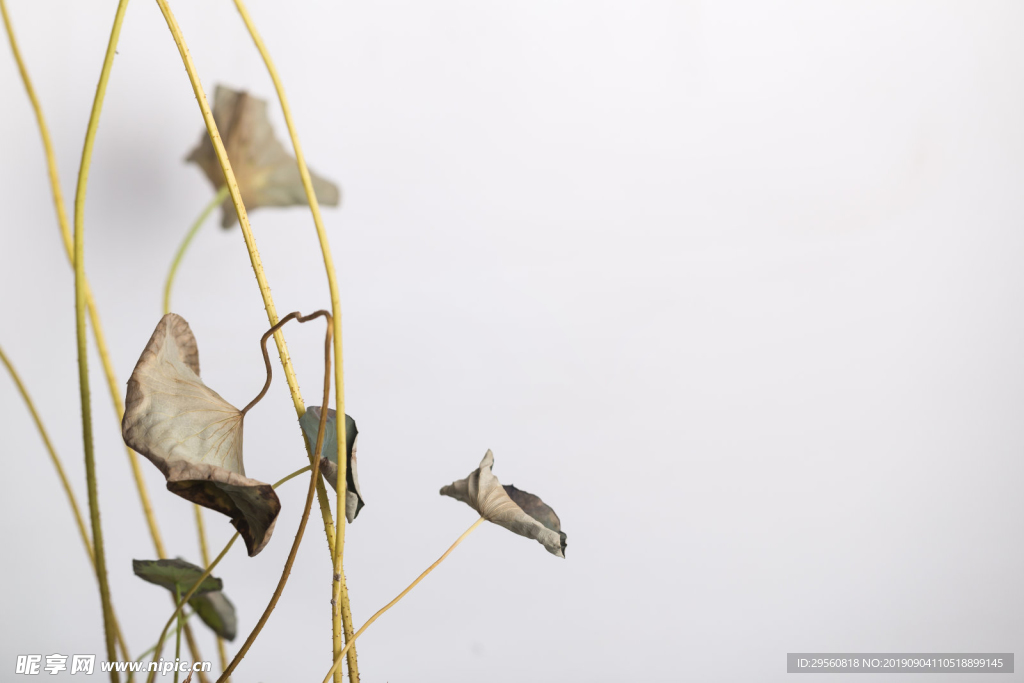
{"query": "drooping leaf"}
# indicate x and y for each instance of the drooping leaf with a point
(193, 435)
(267, 174)
(168, 573)
(516, 510)
(217, 612)
(310, 422)
(209, 601)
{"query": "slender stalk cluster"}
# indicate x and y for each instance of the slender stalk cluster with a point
(520, 512)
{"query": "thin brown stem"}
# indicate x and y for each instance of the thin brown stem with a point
(254, 254)
(295, 315)
(315, 466)
(309, 493)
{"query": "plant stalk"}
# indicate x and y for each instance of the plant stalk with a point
(83, 358)
(97, 329)
(385, 608)
(113, 385)
(317, 450)
(204, 551)
(202, 577)
(222, 193)
(168, 285)
(250, 244)
(340, 607)
(177, 635)
(59, 466)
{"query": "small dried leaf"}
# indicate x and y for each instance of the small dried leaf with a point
(267, 174)
(518, 511)
(217, 612)
(193, 435)
(310, 422)
(171, 573)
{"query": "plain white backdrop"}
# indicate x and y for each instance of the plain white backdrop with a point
(736, 287)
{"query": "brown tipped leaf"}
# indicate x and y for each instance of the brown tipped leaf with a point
(507, 506)
(267, 174)
(193, 435)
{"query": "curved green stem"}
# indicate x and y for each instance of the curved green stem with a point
(83, 358)
(385, 608)
(221, 195)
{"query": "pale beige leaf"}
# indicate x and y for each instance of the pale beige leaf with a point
(527, 516)
(267, 174)
(193, 435)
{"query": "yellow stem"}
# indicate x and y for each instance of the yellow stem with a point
(97, 328)
(83, 357)
(250, 244)
(49, 447)
(385, 608)
(101, 344)
(340, 608)
(58, 465)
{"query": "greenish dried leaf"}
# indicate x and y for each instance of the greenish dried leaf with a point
(177, 572)
(310, 422)
(217, 612)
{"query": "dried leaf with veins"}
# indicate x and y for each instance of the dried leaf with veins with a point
(267, 174)
(516, 510)
(310, 422)
(193, 435)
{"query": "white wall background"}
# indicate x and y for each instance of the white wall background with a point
(735, 286)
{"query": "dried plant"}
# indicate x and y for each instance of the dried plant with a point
(192, 434)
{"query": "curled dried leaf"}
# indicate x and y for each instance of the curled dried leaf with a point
(267, 174)
(193, 435)
(310, 422)
(516, 510)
